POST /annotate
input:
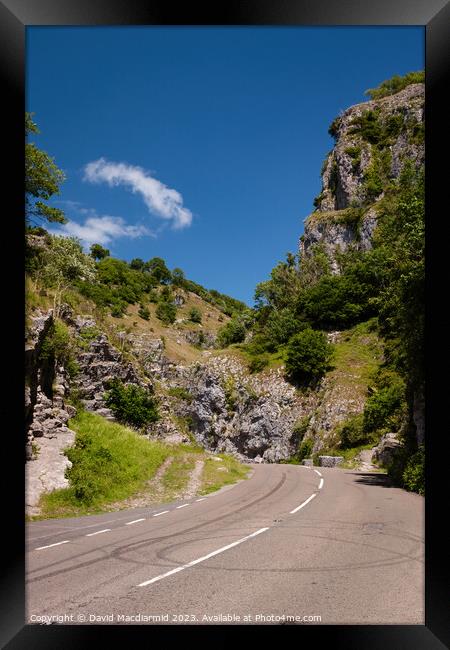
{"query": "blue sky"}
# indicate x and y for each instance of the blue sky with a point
(201, 145)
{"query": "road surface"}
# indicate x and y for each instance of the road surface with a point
(289, 545)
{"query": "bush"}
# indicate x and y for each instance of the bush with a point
(57, 344)
(166, 312)
(118, 308)
(144, 312)
(352, 432)
(233, 332)
(131, 404)
(181, 393)
(414, 473)
(280, 326)
(258, 363)
(308, 356)
(395, 84)
(195, 315)
(304, 450)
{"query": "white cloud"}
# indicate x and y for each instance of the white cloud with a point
(102, 230)
(159, 199)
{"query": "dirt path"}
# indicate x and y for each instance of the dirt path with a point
(153, 493)
(365, 461)
(194, 481)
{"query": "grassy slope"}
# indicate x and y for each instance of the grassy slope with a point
(358, 353)
(113, 463)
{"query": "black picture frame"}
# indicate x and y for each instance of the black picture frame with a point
(15, 16)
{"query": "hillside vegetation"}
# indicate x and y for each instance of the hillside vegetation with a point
(111, 463)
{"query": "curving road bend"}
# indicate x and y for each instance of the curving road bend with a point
(289, 545)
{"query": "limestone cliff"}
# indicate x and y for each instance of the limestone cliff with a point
(372, 142)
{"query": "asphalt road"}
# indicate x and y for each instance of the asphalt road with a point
(256, 552)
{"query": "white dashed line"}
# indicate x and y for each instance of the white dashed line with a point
(183, 506)
(135, 521)
(321, 484)
(97, 532)
(317, 472)
(202, 499)
(302, 505)
(161, 513)
(201, 559)
(39, 548)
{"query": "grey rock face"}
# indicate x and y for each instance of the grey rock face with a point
(101, 363)
(251, 417)
(343, 179)
(387, 448)
(46, 417)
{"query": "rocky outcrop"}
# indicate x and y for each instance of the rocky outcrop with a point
(252, 417)
(100, 363)
(46, 416)
(386, 450)
(346, 214)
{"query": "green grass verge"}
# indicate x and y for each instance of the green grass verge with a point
(217, 474)
(110, 463)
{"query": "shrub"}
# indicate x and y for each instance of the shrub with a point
(166, 312)
(258, 363)
(368, 126)
(333, 128)
(308, 356)
(413, 477)
(144, 312)
(195, 315)
(57, 344)
(304, 450)
(131, 404)
(383, 408)
(395, 84)
(118, 308)
(301, 427)
(181, 393)
(233, 332)
(352, 432)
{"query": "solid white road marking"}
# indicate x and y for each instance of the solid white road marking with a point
(97, 532)
(201, 559)
(321, 483)
(39, 548)
(202, 499)
(128, 523)
(183, 506)
(161, 513)
(302, 505)
(317, 472)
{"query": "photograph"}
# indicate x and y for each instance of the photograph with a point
(224, 325)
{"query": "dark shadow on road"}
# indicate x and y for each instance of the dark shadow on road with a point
(379, 480)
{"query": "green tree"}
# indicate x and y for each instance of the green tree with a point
(98, 252)
(283, 286)
(137, 264)
(158, 270)
(64, 264)
(42, 180)
(308, 356)
(178, 277)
